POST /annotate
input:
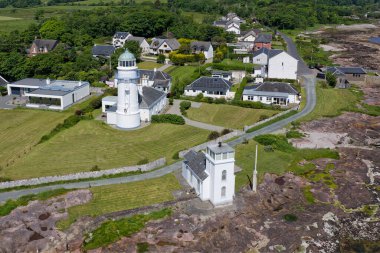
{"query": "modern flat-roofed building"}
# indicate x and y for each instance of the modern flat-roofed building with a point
(49, 94)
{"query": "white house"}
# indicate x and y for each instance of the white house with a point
(163, 46)
(144, 45)
(49, 94)
(248, 36)
(204, 47)
(156, 79)
(119, 38)
(210, 87)
(279, 64)
(272, 93)
(211, 173)
(233, 27)
(135, 101)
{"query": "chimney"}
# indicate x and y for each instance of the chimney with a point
(48, 81)
(80, 83)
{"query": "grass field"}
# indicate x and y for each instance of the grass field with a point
(276, 162)
(331, 102)
(92, 142)
(149, 65)
(21, 129)
(183, 74)
(119, 197)
(227, 115)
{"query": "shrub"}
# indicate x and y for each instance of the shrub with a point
(263, 117)
(79, 112)
(208, 100)
(220, 101)
(225, 131)
(276, 141)
(3, 91)
(268, 148)
(331, 79)
(95, 168)
(168, 118)
(290, 217)
(295, 124)
(171, 101)
(294, 134)
(185, 104)
(199, 97)
(161, 58)
(176, 155)
(143, 161)
(213, 135)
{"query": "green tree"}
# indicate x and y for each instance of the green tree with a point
(331, 79)
(53, 29)
(134, 48)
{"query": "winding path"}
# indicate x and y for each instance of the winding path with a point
(310, 104)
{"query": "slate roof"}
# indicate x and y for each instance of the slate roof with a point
(210, 84)
(31, 82)
(269, 52)
(49, 44)
(347, 70)
(200, 45)
(154, 75)
(138, 39)
(103, 50)
(3, 82)
(254, 32)
(264, 38)
(275, 88)
(220, 22)
(121, 35)
(172, 43)
(150, 96)
(197, 163)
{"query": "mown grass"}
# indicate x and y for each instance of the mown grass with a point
(21, 129)
(276, 161)
(113, 198)
(111, 231)
(183, 74)
(10, 205)
(228, 116)
(93, 142)
(149, 65)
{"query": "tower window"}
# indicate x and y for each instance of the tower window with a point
(223, 191)
(224, 175)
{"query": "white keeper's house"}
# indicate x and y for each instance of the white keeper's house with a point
(272, 93)
(136, 101)
(211, 173)
(49, 94)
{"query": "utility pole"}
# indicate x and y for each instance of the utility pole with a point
(254, 178)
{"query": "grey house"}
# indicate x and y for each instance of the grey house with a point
(345, 75)
(103, 51)
(214, 87)
(156, 79)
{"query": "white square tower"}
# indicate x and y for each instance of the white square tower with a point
(220, 165)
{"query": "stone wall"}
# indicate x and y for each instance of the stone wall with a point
(83, 175)
(268, 119)
(204, 145)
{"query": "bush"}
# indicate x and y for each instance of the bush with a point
(171, 101)
(263, 117)
(199, 97)
(213, 135)
(225, 131)
(295, 124)
(95, 168)
(294, 134)
(161, 58)
(3, 91)
(331, 79)
(143, 161)
(176, 155)
(168, 118)
(290, 217)
(276, 141)
(220, 101)
(185, 104)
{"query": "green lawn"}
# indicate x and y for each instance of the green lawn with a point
(21, 129)
(331, 102)
(149, 65)
(113, 198)
(276, 162)
(92, 142)
(227, 115)
(183, 75)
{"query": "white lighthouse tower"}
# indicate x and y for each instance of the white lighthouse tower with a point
(126, 80)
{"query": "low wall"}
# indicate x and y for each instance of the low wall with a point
(83, 175)
(204, 145)
(269, 119)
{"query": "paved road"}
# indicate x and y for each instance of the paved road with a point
(162, 68)
(310, 104)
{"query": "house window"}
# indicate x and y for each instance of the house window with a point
(250, 98)
(193, 90)
(261, 98)
(224, 175)
(282, 64)
(223, 192)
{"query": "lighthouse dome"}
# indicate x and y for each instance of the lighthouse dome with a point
(127, 56)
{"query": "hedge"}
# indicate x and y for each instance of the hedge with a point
(168, 118)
